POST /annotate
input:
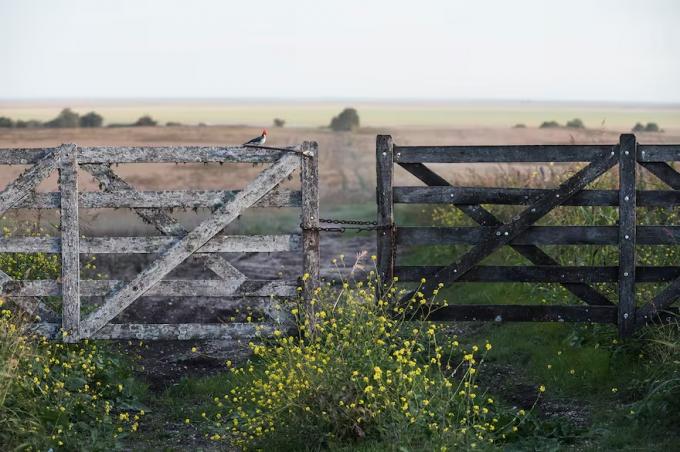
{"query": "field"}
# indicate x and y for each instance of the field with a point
(600, 394)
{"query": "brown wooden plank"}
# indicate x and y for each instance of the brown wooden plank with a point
(484, 218)
(536, 235)
(70, 235)
(386, 245)
(627, 234)
(500, 154)
(542, 274)
(122, 297)
(525, 196)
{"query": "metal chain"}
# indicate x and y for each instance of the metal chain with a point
(362, 225)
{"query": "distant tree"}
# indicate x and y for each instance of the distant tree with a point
(576, 124)
(519, 126)
(91, 119)
(278, 122)
(145, 121)
(6, 122)
(652, 127)
(30, 124)
(638, 127)
(348, 119)
(67, 118)
(549, 124)
(173, 124)
(202, 124)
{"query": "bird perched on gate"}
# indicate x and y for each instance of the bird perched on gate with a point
(258, 141)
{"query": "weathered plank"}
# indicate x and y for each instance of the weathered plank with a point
(661, 302)
(504, 234)
(537, 235)
(165, 288)
(500, 154)
(177, 154)
(541, 274)
(154, 244)
(525, 313)
(526, 196)
(485, 218)
(386, 245)
(70, 234)
(147, 278)
(658, 153)
(166, 331)
(664, 172)
(26, 182)
(627, 234)
(24, 156)
(309, 180)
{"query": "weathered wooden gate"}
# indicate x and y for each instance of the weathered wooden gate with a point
(174, 246)
(521, 234)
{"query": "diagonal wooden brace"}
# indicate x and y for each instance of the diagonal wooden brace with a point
(505, 233)
(485, 218)
(122, 297)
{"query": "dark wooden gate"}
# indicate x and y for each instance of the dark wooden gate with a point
(524, 237)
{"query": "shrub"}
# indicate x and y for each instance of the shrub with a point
(278, 122)
(652, 127)
(6, 122)
(91, 119)
(66, 118)
(367, 373)
(576, 124)
(638, 127)
(519, 126)
(29, 124)
(549, 124)
(348, 119)
(145, 121)
(173, 124)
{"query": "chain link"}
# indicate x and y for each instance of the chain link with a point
(356, 225)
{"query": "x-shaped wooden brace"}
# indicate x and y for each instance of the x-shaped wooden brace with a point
(122, 297)
(20, 188)
(670, 293)
(503, 234)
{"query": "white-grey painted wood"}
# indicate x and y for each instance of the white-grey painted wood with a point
(70, 253)
(31, 178)
(165, 331)
(164, 288)
(124, 296)
(154, 244)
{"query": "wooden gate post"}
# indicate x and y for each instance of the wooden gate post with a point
(309, 182)
(70, 243)
(384, 158)
(627, 237)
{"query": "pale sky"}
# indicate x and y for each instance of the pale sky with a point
(592, 50)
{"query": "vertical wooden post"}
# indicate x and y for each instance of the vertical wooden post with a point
(384, 159)
(309, 181)
(70, 240)
(627, 239)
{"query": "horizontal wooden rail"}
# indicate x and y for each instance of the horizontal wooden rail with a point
(525, 313)
(537, 235)
(540, 274)
(188, 199)
(526, 196)
(149, 154)
(154, 244)
(167, 331)
(500, 154)
(165, 288)
(658, 153)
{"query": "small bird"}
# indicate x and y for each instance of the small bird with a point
(258, 141)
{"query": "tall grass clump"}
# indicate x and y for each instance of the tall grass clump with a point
(367, 373)
(57, 396)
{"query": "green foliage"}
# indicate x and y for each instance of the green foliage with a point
(519, 126)
(278, 122)
(30, 124)
(145, 121)
(173, 124)
(347, 120)
(66, 118)
(549, 125)
(576, 123)
(6, 122)
(652, 127)
(638, 127)
(91, 119)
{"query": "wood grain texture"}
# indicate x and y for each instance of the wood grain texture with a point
(386, 244)
(311, 259)
(500, 154)
(190, 243)
(658, 153)
(29, 180)
(627, 234)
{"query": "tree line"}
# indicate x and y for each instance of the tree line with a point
(68, 118)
